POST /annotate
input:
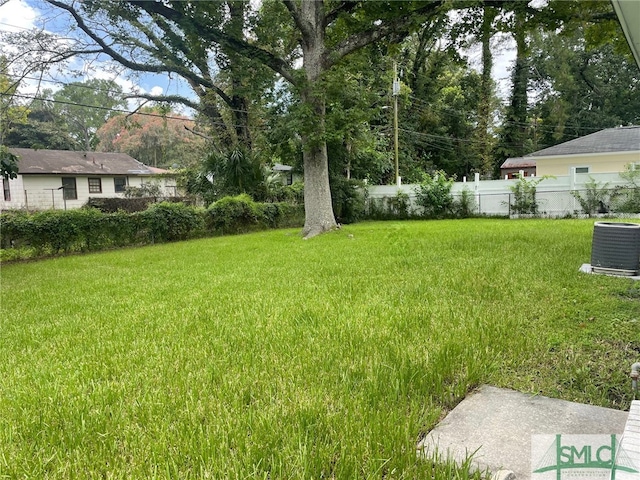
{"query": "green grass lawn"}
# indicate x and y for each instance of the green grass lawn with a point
(266, 356)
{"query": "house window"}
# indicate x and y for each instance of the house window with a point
(582, 169)
(5, 189)
(69, 188)
(120, 184)
(95, 185)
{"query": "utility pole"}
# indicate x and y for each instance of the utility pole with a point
(396, 92)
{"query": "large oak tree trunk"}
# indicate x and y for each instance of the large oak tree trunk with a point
(319, 215)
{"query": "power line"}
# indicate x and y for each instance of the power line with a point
(14, 26)
(96, 107)
(101, 90)
(122, 111)
(74, 84)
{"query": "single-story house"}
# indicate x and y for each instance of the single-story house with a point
(606, 151)
(62, 179)
(285, 174)
(512, 167)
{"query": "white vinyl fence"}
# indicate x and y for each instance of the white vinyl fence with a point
(496, 197)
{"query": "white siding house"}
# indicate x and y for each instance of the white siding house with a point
(61, 179)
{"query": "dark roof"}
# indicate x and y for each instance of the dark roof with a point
(278, 167)
(518, 162)
(68, 162)
(620, 139)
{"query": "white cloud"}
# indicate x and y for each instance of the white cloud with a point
(156, 90)
(17, 15)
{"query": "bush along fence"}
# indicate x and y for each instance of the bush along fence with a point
(53, 232)
(439, 197)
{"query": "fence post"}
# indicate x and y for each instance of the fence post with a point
(26, 200)
(476, 186)
(509, 204)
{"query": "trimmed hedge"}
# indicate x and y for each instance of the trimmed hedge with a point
(53, 232)
(136, 204)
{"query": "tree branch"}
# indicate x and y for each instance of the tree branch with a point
(397, 29)
(166, 98)
(343, 7)
(106, 49)
(217, 36)
(297, 18)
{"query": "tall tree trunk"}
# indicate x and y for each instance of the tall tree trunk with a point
(519, 102)
(319, 215)
(486, 93)
(237, 67)
(512, 142)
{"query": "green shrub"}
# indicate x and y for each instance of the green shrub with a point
(110, 205)
(233, 214)
(54, 229)
(168, 222)
(25, 235)
(348, 199)
(15, 229)
(280, 215)
(375, 208)
(398, 206)
(594, 199)
(626, 200)
(268, 214)
(291, 215)
(293, 193)
(433, 194)
(523, 199)
(465, 205)
(276, 192)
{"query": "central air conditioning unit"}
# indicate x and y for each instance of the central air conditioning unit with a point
(616, 248)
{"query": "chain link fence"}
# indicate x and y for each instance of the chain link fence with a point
(615, 201)
(54, 199)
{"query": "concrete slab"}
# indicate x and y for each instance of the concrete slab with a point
(497, 424)
(587, 268)
(631, 440)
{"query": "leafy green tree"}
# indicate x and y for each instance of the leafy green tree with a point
(439, 118)
(8, 163)
(12, 112)
(43, 128)
(581, 89)
(86, 106)
(229, 173)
